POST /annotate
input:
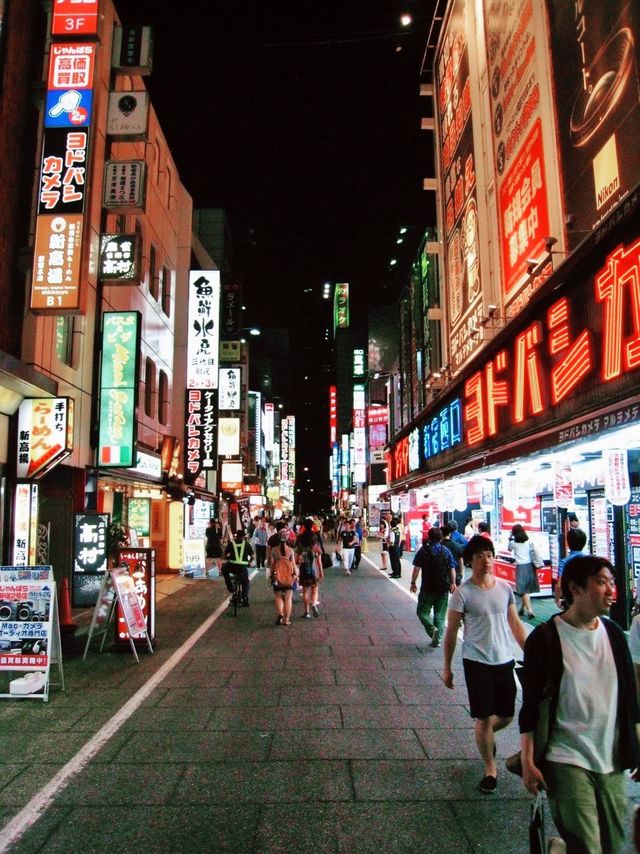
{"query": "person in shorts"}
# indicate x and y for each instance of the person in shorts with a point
(487, 607)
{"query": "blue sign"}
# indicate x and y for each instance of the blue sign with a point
(443, 431)
(68, 108)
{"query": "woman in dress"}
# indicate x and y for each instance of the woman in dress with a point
(526, 574)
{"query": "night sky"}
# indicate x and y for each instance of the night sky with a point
(302, 120)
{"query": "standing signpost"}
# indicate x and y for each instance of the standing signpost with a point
(118, 588)
(29, 630)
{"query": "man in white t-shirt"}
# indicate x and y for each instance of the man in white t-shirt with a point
(487, 607)
(583, 662)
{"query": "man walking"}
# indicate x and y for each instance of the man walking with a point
(438, 579)
(593, 712)
(385, 535)
(456, 550)
(488, 608)
(260, 537)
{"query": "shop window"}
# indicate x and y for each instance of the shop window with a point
(153, 277)
(149, 386)
(163, 398)
(65, 327)
(165, 291)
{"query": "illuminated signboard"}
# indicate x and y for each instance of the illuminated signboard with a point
(231, 308)
(333, 414)
(335, 469)
(414, 450)
(359, 365)
(229, 388)
(73, 18)
(90, 553)
(128, 114)
(25, 523)
(267, 426)
(229, 437)
(291, 432)
(45, 435)
(201, 436)
(118, 257)
(124, 185)
(63, 171)
(142, 576)
(132, 49)
(443, 431)
(118, 388)
(460, 198)
(56, 263)
(69, 85)
(341, 306)
(255, 426)
(345, 464)
(139, 516)
(204, 329)
(359, 434)
(231, 475)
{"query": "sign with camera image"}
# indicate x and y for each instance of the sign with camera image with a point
(29, 628)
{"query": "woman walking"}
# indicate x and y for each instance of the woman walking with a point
(284, 576)
(213, 549)
(309, 549)
(526, 575)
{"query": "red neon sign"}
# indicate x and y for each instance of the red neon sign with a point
(75, 17)
(333, 415)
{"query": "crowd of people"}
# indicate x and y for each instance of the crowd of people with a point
(577, 672)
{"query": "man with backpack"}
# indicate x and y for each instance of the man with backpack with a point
(238, 554)
(456, 550)
(438, 579)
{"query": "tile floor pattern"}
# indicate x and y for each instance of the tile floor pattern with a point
(334, 735)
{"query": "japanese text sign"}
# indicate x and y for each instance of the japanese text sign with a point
(124, 184)
(203, 329)
(118, 387)
(45, 434)
(201, 432)
(119, 257)
(90, 543)
(75, 18)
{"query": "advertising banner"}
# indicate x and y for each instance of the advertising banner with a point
(596, 61)
(45, 435)
(201, 432)
(63, 171)
(118, 388)
(204, 329)
(136, 588)
(229, 437)
(231, 475)
(341, 306)
(139, 516)
(517, 65)
(25, 524)
(462, 239)
(26, 596)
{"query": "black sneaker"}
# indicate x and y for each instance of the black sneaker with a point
(488, 785)
(314, 611)
(435, 638)
(245, 603)
(278, 621)
(306, 616)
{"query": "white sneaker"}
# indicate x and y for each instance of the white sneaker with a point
(555, 845)
(348, 572)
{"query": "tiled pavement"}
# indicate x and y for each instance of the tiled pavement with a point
(332, 735)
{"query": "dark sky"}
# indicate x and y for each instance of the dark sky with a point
(302, 120)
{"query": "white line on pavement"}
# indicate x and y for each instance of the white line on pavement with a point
(11, 833)
(408, 593)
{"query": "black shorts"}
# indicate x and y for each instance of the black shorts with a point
(491, 688)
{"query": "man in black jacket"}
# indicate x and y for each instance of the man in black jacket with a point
(582, 662)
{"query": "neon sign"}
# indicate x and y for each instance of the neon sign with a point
(443, 431)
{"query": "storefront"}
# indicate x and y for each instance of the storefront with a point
(545, 420)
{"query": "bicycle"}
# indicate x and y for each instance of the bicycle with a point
(236, 595)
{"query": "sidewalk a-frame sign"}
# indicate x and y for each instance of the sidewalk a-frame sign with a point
(118, 587)
(30, 631)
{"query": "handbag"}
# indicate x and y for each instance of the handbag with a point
(536, 560)
(537, 840)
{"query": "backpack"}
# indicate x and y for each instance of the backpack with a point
(437, 571)
(308, 569)
(283, 572)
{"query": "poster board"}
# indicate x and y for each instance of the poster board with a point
(118, 588)
(194, 562)
(29, 627)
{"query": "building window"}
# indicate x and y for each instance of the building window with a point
(153, 279)
(163, 398)
(64, 339)
(165, 291)
(149, 386)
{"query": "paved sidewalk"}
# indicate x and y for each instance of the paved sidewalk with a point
(333, 735)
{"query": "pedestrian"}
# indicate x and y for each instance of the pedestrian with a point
(384, 533)
(309, 550)
(526, 575)
(239, 554)
(437, 567)
(486, 606)
(469, 530)
(572, 519)
(484, 530)
(349, 542)
(456, 536)
(357, 549)
(581, 660)
(424, 527)
(576, 541)
(456, 550)
(213, 547)
(260, 538)
(283, 576)
(394, 549)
